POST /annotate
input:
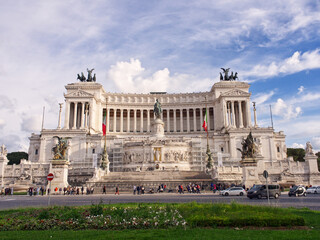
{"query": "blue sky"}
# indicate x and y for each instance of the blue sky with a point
(173, 46)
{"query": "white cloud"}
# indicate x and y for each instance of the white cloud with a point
(31, 123)
(262, 97)
(2, 123)
(285, 110)
(315, 141)
(297, 145)
(132, 77)
(296, 63)
(301, 89)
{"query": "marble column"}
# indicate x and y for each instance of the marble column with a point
(141, 120)
(108, 119)
(233, 115)
(67, 115)
(188, 120)
(201, 119)
(91, 115)
(181, 120)
(86, 117)
(128, 120)
(208, 118)
(121, 120)
(248, 115)
(59, 120)
(225, 114)
(168, 120)
(194, 120)
(240, 115)
(135, 120)
(255, 115)
(114, 120)
(175, 120)
(82, 115)
(75, 114)
(148, 120)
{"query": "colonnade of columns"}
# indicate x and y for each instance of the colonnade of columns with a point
(237, 114)
(77, 115)
(175, 120)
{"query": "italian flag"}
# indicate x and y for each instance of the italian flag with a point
(104, 124)
(205, 122)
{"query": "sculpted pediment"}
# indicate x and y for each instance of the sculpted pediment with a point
(236, 92)
(79, 93)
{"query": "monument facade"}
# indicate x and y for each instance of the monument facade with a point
(163, 132)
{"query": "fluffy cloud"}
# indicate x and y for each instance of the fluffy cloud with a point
(301, 89)
(296, 63)
(2, 123)
(297, 145)
(262, 97)
(11, 141)
(315, 141)
(281, 108)
(132, 77)
(31, 123)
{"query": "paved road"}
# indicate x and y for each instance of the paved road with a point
(312, 201)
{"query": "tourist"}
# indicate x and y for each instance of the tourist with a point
(138, 190)
(78, 191)
(82, 189)
(134, 190)
(117, 191)
(104, 190)
(142, 189)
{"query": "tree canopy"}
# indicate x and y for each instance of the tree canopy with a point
(15, 157)
(297, 154)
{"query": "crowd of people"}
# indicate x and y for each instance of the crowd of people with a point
(137, 189)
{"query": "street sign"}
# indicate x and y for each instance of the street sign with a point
(50, 177)
(265, 174)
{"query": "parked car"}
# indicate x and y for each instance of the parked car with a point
(314, 189)
(233, 191)
(297, 191)
(260, 191)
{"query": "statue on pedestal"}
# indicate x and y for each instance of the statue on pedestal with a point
(309, 148)
(157, 109)
(3, 151)
(60, 149)
(249, 148)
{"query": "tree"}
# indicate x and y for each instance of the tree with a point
(15, 157)
(297, 154)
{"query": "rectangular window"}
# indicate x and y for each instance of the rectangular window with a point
(93, 150)
(36, 152)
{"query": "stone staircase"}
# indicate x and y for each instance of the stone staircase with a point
(126, 180)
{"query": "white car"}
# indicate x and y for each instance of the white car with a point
(314, 189)
(232, 191)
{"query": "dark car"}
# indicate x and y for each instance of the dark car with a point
(297, 191)
(260, 191)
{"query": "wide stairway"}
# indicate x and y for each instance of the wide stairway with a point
(151, 179)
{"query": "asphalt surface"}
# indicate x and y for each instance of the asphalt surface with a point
(311, 201)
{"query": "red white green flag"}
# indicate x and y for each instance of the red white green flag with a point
(205, 122)
(104, 124)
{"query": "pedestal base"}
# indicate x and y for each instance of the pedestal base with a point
(158, 128)
(249, 172)
(59, 169)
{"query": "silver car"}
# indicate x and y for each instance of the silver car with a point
(314, 189)
(233, 191)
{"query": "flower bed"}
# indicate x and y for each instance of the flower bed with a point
(146, 216)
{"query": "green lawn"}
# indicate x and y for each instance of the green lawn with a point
(200, 233)
(160, 221)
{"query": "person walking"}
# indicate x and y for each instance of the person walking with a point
(134, 190)
(104, 190)
(117, 191)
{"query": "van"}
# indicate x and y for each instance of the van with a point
(260, 191)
